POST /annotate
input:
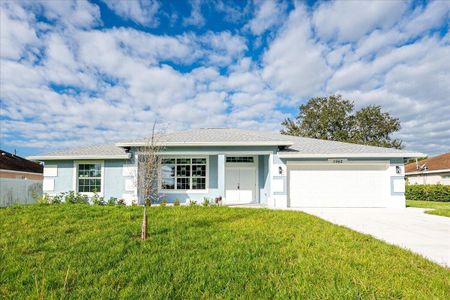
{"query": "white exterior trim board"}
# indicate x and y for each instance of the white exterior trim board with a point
(229, 153)
(349, 155)
(70, 157)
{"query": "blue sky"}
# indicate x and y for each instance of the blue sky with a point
(88, 72)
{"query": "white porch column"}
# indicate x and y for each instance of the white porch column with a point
(221, 174)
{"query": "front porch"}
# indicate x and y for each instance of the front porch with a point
(241, 179)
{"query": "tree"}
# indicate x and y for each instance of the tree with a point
(148, 168)
(332, 118)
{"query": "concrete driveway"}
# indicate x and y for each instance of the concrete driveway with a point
(410, 228)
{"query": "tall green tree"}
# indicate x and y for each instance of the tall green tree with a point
(333, 118)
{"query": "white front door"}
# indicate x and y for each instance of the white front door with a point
(240, 185)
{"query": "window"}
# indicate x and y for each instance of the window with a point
(183, 173)
(240, 159)
(89, 178)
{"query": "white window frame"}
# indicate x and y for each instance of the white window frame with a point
(102, 177)
(190, 191)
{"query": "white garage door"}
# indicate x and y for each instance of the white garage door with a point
(338, 185)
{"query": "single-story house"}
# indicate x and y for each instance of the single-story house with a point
(20, 179)
(433, 170)
(242, 167)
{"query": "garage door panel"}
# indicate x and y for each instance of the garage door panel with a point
(336, 187)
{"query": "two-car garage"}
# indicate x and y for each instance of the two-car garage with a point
(338, 183)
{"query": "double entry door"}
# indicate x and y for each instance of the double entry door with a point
(240, 185)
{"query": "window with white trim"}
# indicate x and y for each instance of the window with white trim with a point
(183, 173)
(89, 178)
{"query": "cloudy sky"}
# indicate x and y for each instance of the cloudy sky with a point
(88, 72)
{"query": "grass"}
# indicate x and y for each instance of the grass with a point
(439, 208)
(80, 251)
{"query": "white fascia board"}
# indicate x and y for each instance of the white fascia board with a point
(66, 157)
(221, 144)
(193, 153)
(354, 155)
(427, 172)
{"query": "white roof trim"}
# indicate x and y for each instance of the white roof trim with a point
(427, 172)
(65, 157)
(344, 155)
(177, 144)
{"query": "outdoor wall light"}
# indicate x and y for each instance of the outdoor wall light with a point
(398, 170)
(280, 170)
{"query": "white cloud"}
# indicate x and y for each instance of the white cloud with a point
(196, 18)
(294, 62)
(73, 13)
(140, 11)
(350, 20)
(74, 82)
(269, 13)
(16, 34)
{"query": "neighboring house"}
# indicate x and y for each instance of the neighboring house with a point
(241, 166)
(433, 170)
(20, 179)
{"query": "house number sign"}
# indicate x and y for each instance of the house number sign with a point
(337, 161)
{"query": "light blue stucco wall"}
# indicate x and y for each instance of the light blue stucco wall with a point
(64, 179)
(114, 185)
(263, 172)
(114, 181)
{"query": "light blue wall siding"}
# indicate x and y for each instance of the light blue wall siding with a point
(114, 185)
(64, 180)
(213, 164)
(263, 172)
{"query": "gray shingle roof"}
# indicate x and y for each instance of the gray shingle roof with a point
(216, 136)
(293, 146)
(316, 146)
(91, 152)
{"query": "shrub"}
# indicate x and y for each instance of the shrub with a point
(57, 199)
(121, 202)
(148, 202)
(75, 198)
(192, 202)
(42, 199)
(163, 203)
(176, 202)
(205, 202)
(431, 192)
(112, 201)
(97, 200)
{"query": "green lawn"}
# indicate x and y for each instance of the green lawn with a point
(80, 251)
(439, 208)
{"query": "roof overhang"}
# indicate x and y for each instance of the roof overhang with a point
(206, 144)
(350, 155)
(70, 157)
(427, 172)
